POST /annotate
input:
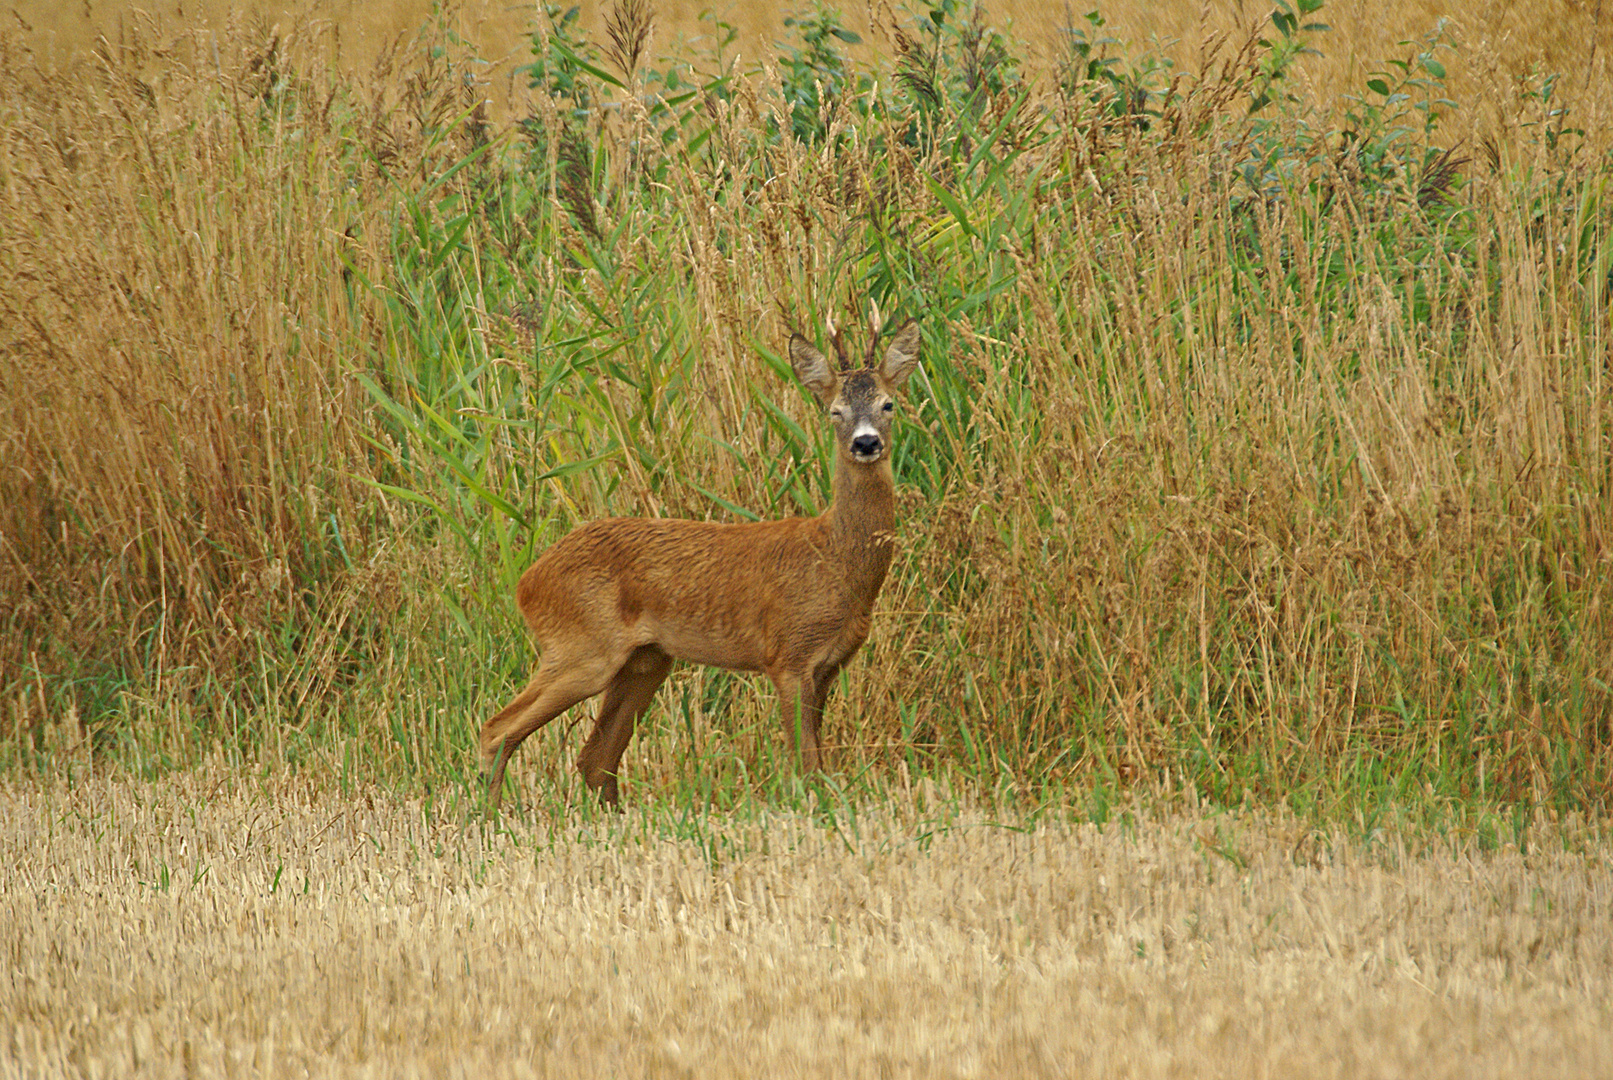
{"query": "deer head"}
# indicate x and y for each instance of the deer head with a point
(860, 401)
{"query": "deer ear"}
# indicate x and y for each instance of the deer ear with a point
(813, 369)
(902, 356)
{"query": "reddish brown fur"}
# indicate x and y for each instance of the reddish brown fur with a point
(616, 601)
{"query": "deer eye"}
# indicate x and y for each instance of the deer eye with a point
(889, 406)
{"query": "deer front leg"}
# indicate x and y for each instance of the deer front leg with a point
(801, 699)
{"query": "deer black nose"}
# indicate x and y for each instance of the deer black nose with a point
(866, 446)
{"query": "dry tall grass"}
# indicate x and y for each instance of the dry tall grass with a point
(183, 442)
(176, 417)
(1558, 36)
(1294, 487)
(1502, 41)
(272, 927)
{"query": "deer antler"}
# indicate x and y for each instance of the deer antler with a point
(874, 323)
(839, 341)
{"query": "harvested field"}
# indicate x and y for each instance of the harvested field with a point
(252, 926)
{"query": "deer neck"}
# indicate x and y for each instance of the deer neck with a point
(862, 522)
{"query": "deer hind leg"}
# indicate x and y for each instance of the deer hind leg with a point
(559, 683)
(626, 698)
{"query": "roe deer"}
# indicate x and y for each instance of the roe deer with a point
(615, 601)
